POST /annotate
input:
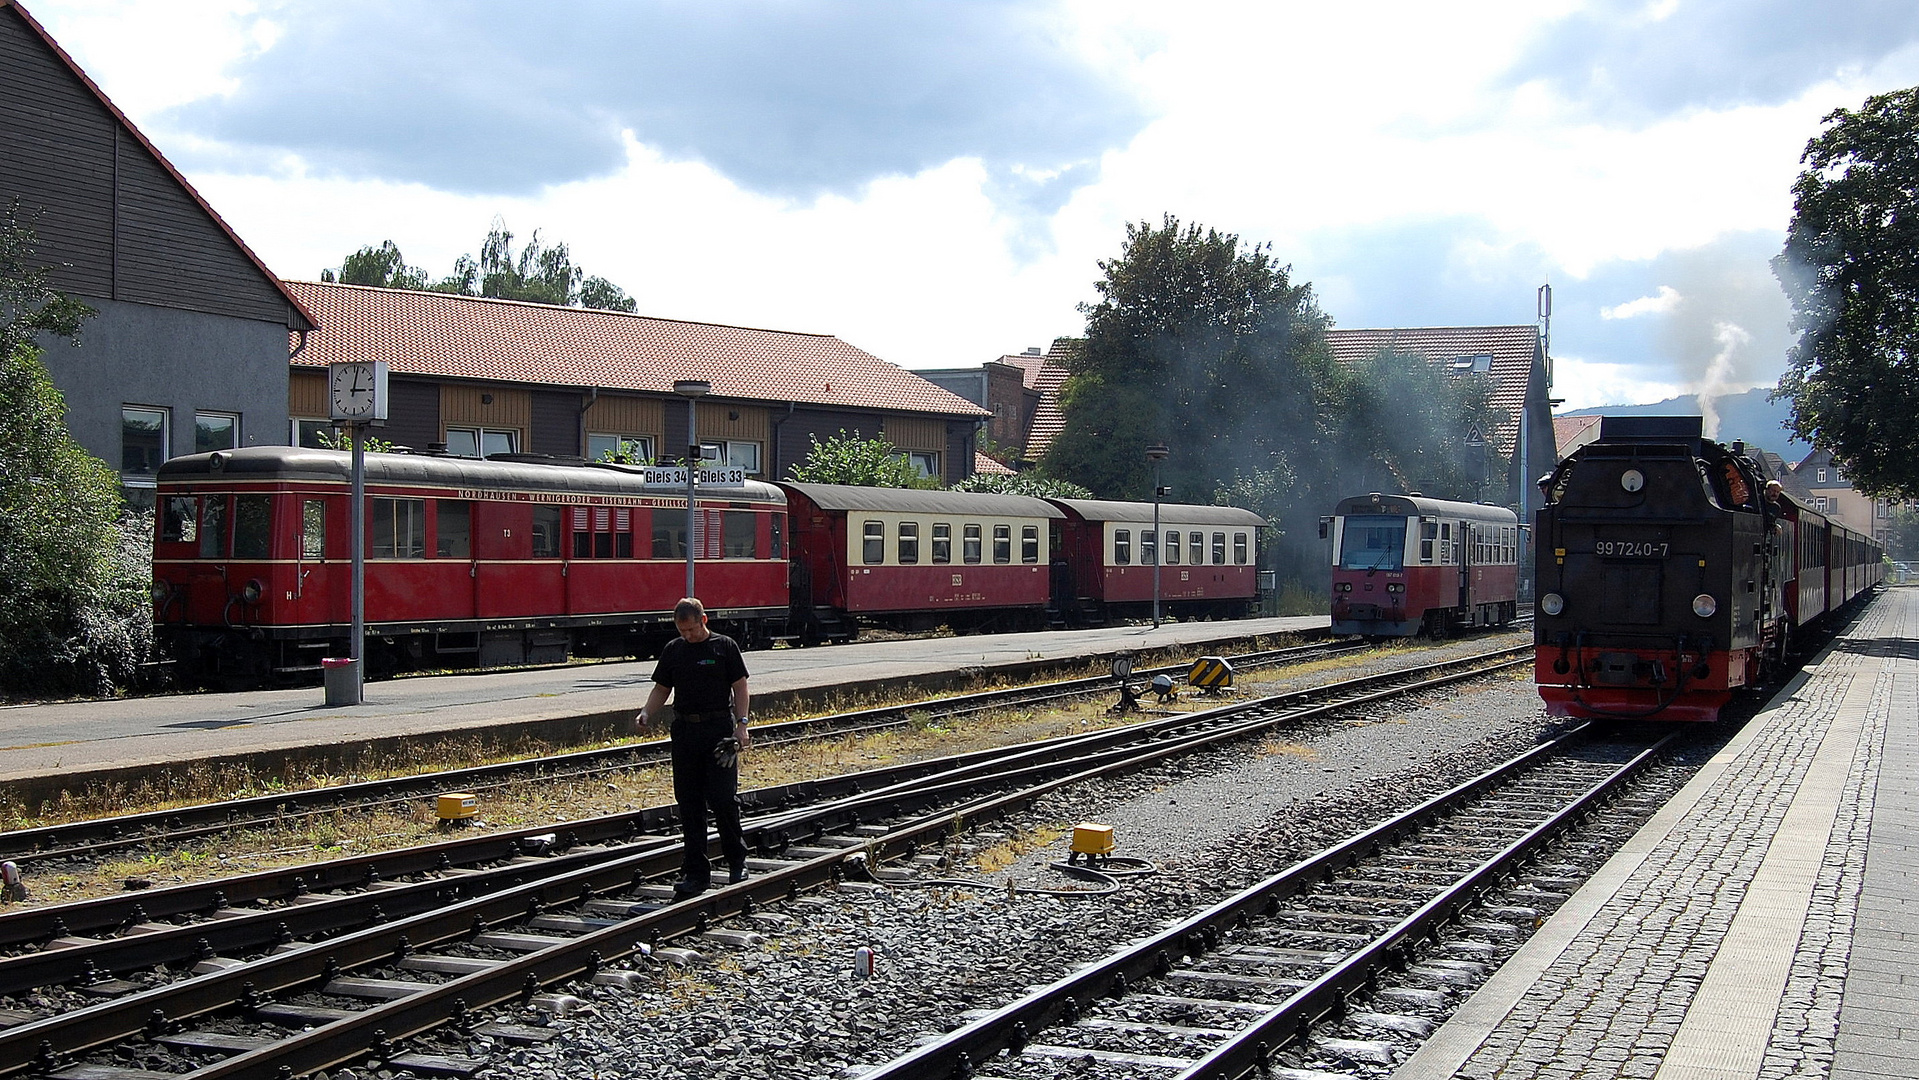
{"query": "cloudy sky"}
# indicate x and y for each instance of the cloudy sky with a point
(936, 181)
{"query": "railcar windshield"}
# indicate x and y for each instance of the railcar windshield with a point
(1373, 542)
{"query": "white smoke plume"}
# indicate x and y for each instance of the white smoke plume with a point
(1721, 372)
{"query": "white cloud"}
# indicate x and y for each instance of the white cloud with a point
(1587, 384)
(1660, 304)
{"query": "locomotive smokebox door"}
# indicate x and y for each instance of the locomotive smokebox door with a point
(1211, 674)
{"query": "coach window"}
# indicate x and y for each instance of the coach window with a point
(1002, 543)
(180, 520)
(1148, 547)
(1122, 547)
(1219, 549)
(1029, 543)
(399, 528)
(909, 543)
(453, 531)
(942, 542)
(1239, 549)
(252, 526)
(970, 544)
(873, 546)
(546, 532)
(313, 529)
(1172, 547)
(739, 534)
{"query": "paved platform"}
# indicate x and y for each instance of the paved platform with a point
(1764, 924)
(72, 738)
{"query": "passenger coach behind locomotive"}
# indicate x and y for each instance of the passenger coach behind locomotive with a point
(1669, 575)
(1404, 565)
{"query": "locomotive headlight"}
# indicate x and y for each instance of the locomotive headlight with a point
(1704, 605)
(253, 590)
(1395, 587)
(161, 590)
(1344, 586)
(1552, 603)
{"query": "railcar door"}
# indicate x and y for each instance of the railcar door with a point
(1466, 535)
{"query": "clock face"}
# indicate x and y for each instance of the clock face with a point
(353, 391)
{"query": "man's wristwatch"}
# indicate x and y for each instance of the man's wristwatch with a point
(739, 720)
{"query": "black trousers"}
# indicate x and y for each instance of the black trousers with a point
(699, 785)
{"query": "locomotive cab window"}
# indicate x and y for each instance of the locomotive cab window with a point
(399, 528)
(453, 529)
(1373, 542)
(1029, 543)
(909, 540)
(873, 543)
(970, 544)
(1002, 544)
(942, 542)
(1122, 547)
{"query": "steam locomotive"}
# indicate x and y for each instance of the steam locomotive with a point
(1672, 571)
(521, 560)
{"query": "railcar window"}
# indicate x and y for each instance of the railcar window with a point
(1002, 543)
(1196, 548)
(180, 520)
(777, 536)
(1428, 532)
(1219, 548)
(873, 547)
(1029, 543)
(970, 544)
(1373, 542)
(1172, 547)
(546, 532)
(213, 527)
(909, 543)
(1148, 548)
(313, 529)
(669, 535)
(252, 526)
(739, 534)
(942, 542)
(1239, 549)
(399, 528)
(453, 531)
(1122, 547)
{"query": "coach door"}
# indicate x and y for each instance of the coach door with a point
(1466, 536)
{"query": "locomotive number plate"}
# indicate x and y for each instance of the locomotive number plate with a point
(1633, 549)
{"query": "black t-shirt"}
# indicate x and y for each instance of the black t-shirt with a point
(702, 675)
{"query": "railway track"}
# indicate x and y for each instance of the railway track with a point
(90, 838)
(1217, 995)
(283, 973)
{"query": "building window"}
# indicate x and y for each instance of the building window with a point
(942, 542)
(143, 443)
(628, 449)
(453, 533)
(1822, 476)
(215, 431)
(399, 528)
(481, 442)
(1122, 547)
(909, 543)
(926, 462)
(743, 455)
(1002, 543)
(873, 542)
(312, 434)
(970, 544)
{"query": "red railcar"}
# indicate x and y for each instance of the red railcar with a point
(1405, 564)
(494, 562)
(913, 560)
(1105, 561)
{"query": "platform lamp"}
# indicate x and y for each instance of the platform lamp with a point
(692, 390)
(1157, 453)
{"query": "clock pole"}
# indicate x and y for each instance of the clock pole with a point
(356, 643)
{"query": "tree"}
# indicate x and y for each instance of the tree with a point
(1408, 424)
(1025, 483)
(29, 306)
(849, 459)
(1851, 269)
(537, 273)
(1208, 346)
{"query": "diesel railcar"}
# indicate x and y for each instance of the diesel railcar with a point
(1672, 571)
(1406, 565)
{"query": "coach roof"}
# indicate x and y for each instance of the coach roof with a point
(1169, 513)
(918, 501)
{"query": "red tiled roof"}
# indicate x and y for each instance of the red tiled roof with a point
(1572, 432)
(984, 464)
(1512, 349)
(467, 337)
(1042, 373)
(33, 25)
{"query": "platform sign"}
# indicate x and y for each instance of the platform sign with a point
(710, 476)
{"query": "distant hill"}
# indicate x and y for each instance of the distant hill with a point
(1748, 417)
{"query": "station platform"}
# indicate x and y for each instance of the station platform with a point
(1765, 923)
(45, 745)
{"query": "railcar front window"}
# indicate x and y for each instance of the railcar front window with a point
(213, 528)
(1373, 542)
(252, 526)
(180, 520)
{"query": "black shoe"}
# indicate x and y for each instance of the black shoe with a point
(686, 888)
(738, 875)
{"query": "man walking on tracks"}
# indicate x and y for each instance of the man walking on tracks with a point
(707, 678)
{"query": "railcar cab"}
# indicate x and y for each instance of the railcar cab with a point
(1406, 564)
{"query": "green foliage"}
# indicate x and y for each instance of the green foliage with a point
(338, 439)
(74, 607)
(849, 459)
(537, 273)
(29, 306)
(1025, 483)
(1902, 541)
(1851, 269)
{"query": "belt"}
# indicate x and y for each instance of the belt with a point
(702, 717)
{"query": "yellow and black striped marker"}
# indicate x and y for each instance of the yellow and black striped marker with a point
(1211, 674)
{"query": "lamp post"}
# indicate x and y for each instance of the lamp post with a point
(692, 390)
(1157, 453)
